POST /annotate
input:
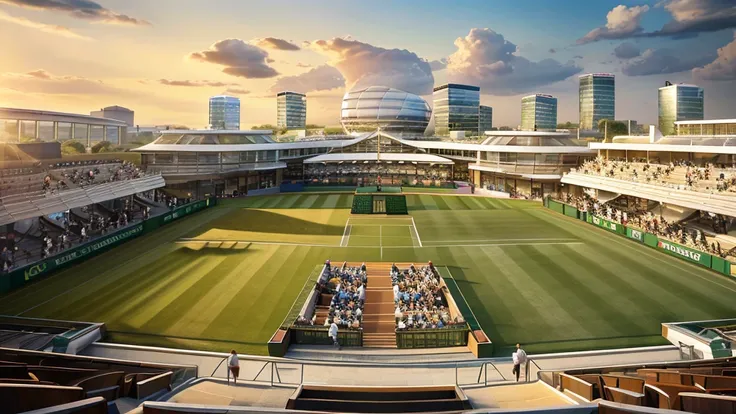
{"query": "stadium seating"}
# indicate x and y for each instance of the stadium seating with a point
(32, 380)
(396, 205)
(362, 205)
(699, 385)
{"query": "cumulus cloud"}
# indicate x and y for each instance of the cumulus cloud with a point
(194, 84)
(236, 91)
(436, 65)
(239, 59)
(485, 58)
(723, 68)
(626, 50)
(43, 27)
(662, 61)
(303, 65)
(321, 78)
(274, 43)
(621, 22)
(690, 17)
(81, 9)
(363, 65)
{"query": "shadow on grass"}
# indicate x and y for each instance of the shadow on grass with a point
(260, 221)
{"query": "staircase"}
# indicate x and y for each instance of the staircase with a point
(322, 311)
(379, 327)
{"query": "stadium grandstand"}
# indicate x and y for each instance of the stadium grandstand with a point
(383, 271)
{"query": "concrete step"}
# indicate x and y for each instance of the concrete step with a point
(380, 355)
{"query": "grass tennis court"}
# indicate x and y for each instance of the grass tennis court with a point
(226, 277)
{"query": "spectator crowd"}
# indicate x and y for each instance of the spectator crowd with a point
(419, 300)
(347, 284)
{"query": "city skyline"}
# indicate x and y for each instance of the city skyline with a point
(165, 59)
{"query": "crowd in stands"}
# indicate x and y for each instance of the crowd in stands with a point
(393, 174)
(419, 300)
(85, 173)
(648, 222)
(348, 286)
(682, 175)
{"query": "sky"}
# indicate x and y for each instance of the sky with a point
(165, 58)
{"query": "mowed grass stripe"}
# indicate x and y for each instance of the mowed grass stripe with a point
(345, 201)
(581, 293)
(227, 324)
(200, 316)
(167, 319)
(327, 201)
(637, 259)
(428, 202)
(309, 201)
(549, 308)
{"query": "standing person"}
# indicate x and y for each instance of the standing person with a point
(233, 364)
(333, 334)
(519, 358)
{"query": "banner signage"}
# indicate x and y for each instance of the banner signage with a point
(685, 253)
(186, 210)
(608, 225)
(634, 234)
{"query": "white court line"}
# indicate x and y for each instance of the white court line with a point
(380, 246)
(344, 232)
(504, 240)
(185, 241)
(380, 241)
(413, 224)
(382, 225)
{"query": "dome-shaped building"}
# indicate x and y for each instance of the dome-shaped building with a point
(386, 108)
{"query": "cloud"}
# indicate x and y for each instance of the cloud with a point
(363, 65)
(690, 17)
(662, 61)
(723, 68)
(626, 50)
(43, 82)
(621, 22)
(577, 57)
(321, 78)
(303, 65)
(236, 91)
(46, 28)
(195, 84)
(436, 65)
(552, 50)
(81, 9)
(274, 43)
(239, 59)
(486, 59)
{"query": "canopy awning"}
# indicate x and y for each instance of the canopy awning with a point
(375, 157)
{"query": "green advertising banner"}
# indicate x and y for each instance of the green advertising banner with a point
(635, 234)
(686, 253)
(571, 211)
(608, 225)
(556, 206)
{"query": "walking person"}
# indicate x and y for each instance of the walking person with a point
(519, 358)
(233, 364)
(333, 334)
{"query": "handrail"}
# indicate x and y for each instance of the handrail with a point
(218, 366)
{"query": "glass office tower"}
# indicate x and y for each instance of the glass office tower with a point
(679, 103)
(486, 119)
(456, 108)
(597, 99)
(291, 110)
(224, 112)
(538, 112)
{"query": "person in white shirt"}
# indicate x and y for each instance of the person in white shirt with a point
(396, 292)
(333, 334)
(519, 358)
(233, 365)
(361, 293)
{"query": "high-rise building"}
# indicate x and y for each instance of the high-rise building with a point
(485, 122)
(224, 112)
(456, 108)
(291, 110)
(597, 99)
(538, 112)
(679, 103)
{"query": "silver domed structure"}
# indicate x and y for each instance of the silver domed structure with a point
(386, 108)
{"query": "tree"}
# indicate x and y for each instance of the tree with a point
(334, 131)
(612, 128)
(102, 146)
(72, 147)
(568, 125)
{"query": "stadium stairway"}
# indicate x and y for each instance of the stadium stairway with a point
(379, 327)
